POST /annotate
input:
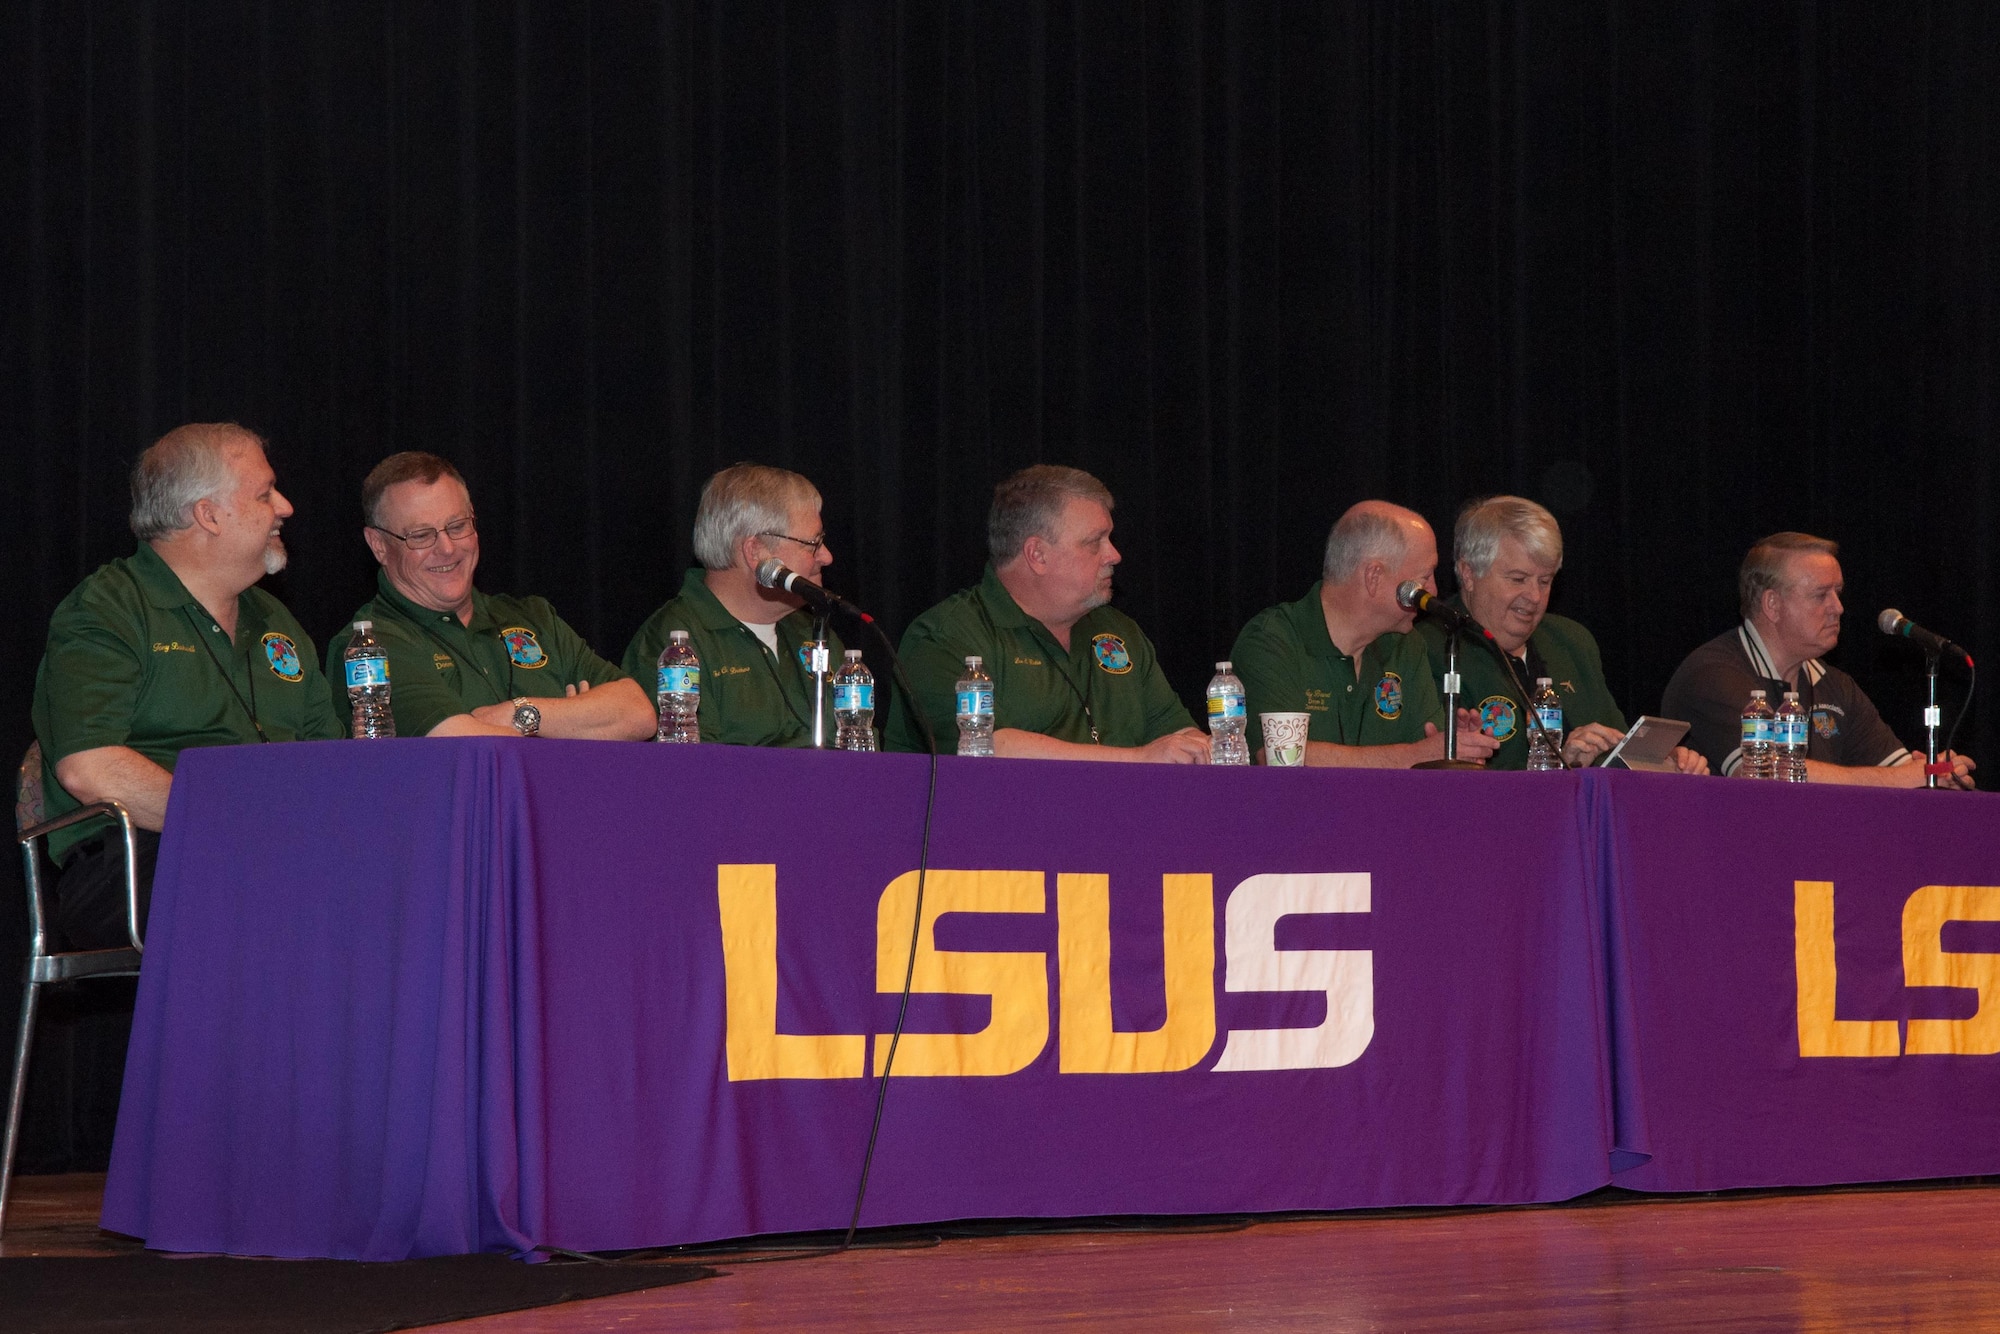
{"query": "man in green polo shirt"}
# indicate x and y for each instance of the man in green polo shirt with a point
(169, 648)
(1506, 551)
(1073, 677)
(463, 662)
(756, 687)
(1343, 655)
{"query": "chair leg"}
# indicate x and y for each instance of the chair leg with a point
(17, 1093)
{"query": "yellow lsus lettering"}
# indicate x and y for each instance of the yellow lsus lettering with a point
(748, 898)
(1018, 982)
(1820, 1034)
(1089, 1044)
(1925, 964)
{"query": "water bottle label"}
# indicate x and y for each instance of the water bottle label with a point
(1228, 705)
(680, 680)
(365, 672)
(1551, 720)
(853, 699)
(1758, 730)
(1792, 732)
(971, 702)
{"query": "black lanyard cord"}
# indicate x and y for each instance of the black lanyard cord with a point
(249, 705)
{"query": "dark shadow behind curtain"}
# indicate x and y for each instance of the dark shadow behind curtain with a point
(1687, 273)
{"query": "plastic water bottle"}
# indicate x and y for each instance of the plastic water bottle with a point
(1545, 742)
(1791, 720)
(1760, 739)
(679, 691)
(367, 666)
(1227, 717)
(975, 710)
(854, 704)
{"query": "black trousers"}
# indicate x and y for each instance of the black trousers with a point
(90, 891)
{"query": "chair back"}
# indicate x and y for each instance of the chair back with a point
(29, 806)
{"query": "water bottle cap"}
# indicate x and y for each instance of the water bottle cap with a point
(364, 625)
(1756, 694)
(854, 655)
(1223, 666)
(1541, 680)
(676, 636)
(973, 660)
(1791, 697)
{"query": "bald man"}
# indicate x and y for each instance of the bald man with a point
(1343, 654)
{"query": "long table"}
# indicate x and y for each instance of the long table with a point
(421, 997)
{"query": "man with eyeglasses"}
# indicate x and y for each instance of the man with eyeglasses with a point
(463, 662)
(756, 687)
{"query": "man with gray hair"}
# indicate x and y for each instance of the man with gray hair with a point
(1788, 590)
(1073, 677)
(756, 687)
(1343, 654)
(171, 647)
(1506, 554)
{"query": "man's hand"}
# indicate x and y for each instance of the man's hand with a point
(1690, 761)
(1187, 746)
(1587, 741)
(1473, 744)
(1960, 776)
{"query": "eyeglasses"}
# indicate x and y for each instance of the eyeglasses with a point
(812, 544)
(420, 539)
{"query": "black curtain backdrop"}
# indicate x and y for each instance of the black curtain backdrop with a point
(1687, 273)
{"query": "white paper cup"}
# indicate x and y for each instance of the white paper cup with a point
(1284, 739)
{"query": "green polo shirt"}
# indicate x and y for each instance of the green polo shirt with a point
(1564, 652)
(134, 660)
(1038, 686)
(1288, 664)
(439, 668)
(748, 697)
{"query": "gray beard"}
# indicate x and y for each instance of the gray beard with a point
(274, 557)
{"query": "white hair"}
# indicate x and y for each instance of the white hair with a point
(1482, 523)
(745, 500)
(184, 467)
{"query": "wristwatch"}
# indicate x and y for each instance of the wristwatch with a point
(527, 718)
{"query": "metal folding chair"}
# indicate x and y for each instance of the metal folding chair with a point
(46, 965)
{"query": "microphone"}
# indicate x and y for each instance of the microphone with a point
(773, 574)
(1893, 623)
(1411, 595)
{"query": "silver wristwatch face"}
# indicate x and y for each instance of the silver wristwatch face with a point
(527, 719)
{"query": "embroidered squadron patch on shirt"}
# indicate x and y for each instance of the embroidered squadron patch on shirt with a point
(1389, 696)
(1111, 653)
(283, 655)
(523, 649)
(1825, 723)
(1498, 717)
(806, 657)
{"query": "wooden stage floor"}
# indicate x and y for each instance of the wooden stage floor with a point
(1905, 1258)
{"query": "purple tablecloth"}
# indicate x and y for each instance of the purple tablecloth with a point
(1725, 1076)
(420, 997)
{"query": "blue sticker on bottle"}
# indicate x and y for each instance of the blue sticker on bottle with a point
(1228, 705)
(1792, 731)
(849, 699)
(1551, 719)
(972, 702)
(365, 672)
(1758, 729)
(680, 680)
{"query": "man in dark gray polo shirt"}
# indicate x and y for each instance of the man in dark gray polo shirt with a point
(1789, 591)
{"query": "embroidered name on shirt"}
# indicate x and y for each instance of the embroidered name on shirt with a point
(442, 661)
(1316, 700)
(1027, 662)
(173, 646)
(728, 671)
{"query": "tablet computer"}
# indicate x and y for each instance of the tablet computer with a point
(1649, 745)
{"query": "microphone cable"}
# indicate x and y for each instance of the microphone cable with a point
(1971, 684)
(916, 927)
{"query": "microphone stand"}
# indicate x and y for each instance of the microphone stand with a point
(1450, 760)
(818, 656)
(1932, 717)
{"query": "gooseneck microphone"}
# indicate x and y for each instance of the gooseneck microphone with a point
(1411, 595)
(773, 574)
(1896, 625)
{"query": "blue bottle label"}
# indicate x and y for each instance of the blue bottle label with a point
(364, 672)
(1792, 731)
(680, 680)
(1551, 718)
(1758, 730)
(851, 699)
(1228, 704)
(974, 702)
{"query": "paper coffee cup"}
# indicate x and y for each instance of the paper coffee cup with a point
(1284, 739)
